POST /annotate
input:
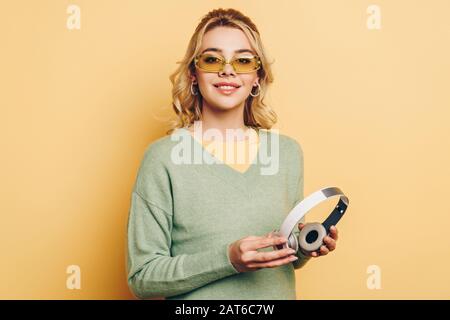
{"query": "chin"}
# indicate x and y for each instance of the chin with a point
(225, 104)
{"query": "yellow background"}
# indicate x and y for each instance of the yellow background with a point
(369, 107)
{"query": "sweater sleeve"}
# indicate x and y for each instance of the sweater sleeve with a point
(152, 270)
(302, 259)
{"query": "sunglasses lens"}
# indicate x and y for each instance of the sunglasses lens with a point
(209, 63)
(245, 64)
(213, 63)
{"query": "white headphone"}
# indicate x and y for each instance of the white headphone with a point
(311, 236)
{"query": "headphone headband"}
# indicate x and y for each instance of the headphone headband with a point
(299, 211)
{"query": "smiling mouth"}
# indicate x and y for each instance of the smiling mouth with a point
(227, 89)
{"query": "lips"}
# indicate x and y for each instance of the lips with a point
(226, 85)
(227, 90)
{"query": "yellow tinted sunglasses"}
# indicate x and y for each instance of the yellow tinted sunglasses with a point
(214, 63)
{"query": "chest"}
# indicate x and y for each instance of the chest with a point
(208, 208)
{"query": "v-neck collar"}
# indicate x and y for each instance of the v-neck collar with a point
(223, 170)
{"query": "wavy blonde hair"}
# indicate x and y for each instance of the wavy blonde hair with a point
(188, 107)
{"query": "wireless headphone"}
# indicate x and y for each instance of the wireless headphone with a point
(311, 236)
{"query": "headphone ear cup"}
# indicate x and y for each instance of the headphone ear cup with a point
(293, 242)
(311, 236)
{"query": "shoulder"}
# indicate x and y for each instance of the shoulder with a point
(153, 179)
(160, 149)
(286, 143)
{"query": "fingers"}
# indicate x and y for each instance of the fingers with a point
(253, 238)
(330, 243)
(324, 251)
(334, 232)
(257, 260)
(271, 234)
(262, 243)
(273, 263)
(267, 259)
(273, 255)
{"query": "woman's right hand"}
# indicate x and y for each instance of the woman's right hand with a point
(245, 257)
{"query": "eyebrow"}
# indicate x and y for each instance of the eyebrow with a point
(220, 50)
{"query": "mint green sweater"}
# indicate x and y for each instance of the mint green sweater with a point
(183, 216)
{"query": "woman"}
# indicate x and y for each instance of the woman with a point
(202, 231)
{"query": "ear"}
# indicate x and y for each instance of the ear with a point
(193, 78)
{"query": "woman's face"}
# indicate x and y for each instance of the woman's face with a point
(226, 42)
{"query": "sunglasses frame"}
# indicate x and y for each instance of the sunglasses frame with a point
(225, 62)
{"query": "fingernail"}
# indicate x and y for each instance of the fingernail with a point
(293, 258)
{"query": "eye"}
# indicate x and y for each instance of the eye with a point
(244, 60)
(211, 59)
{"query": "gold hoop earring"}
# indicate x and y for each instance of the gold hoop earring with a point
(255, 95)
(192, 90)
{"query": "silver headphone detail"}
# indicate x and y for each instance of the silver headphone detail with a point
(311, 236)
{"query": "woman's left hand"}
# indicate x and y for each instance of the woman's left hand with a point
(329, 241)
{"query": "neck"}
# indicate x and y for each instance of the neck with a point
(222, 121)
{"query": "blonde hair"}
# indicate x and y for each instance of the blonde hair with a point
(188, 107)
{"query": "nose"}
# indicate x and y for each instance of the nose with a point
(227, 70)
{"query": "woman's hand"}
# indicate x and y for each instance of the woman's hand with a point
(245, 257)
(330, 242)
